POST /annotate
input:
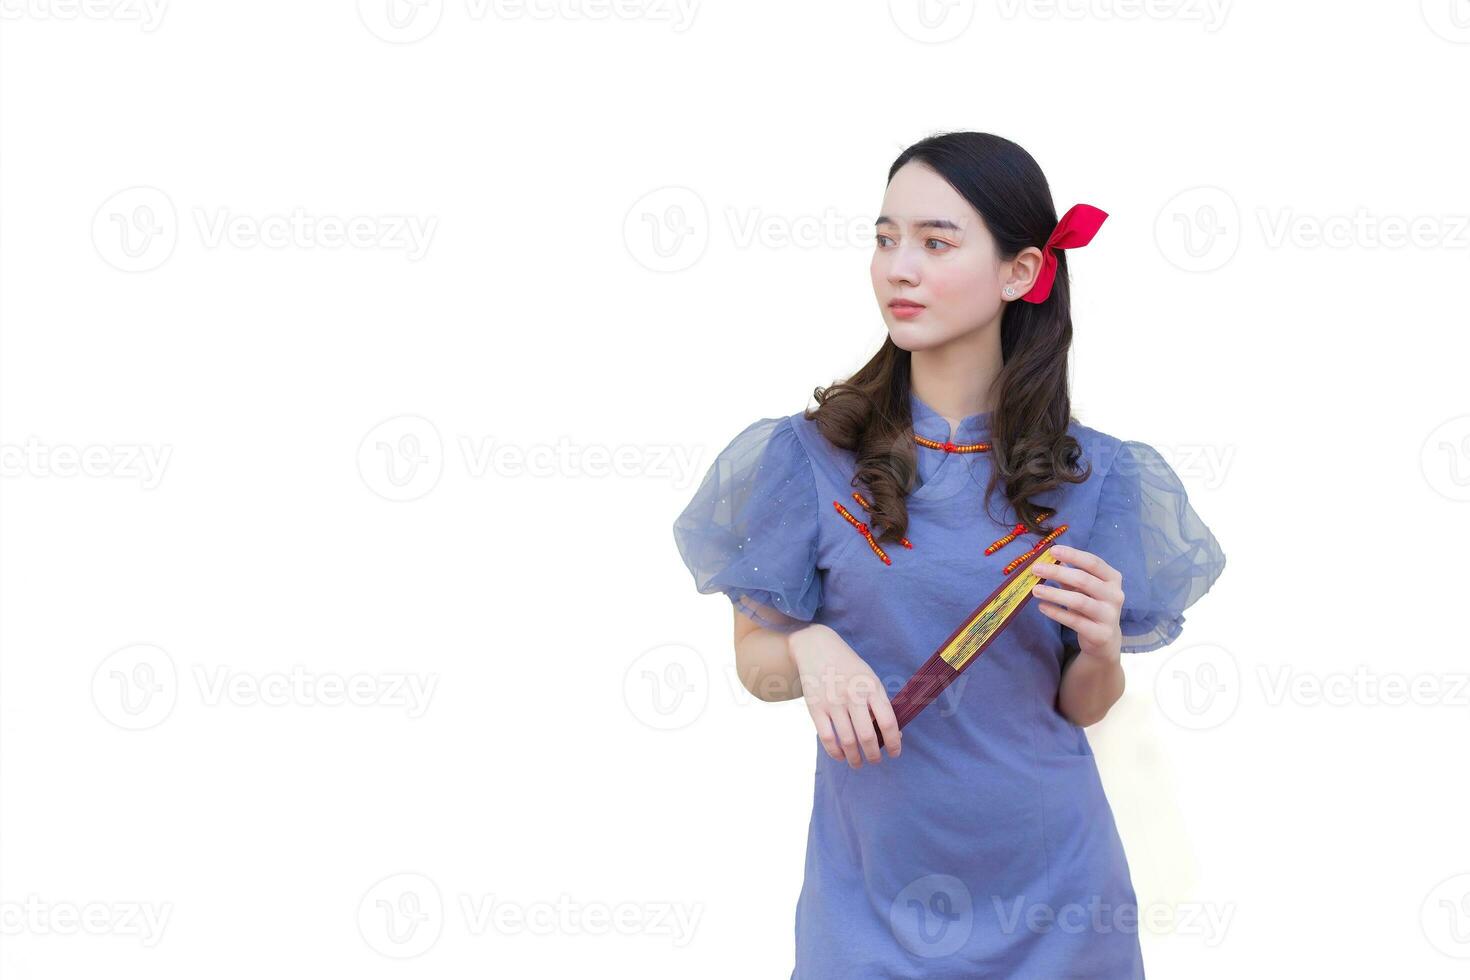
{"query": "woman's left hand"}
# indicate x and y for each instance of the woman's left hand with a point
(1091, 604)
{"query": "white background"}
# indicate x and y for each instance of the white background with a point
(384, 462)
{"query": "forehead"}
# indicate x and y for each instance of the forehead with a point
(916, 193)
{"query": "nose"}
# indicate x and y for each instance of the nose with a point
(903, 268)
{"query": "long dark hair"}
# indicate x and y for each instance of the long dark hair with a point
(869, 412)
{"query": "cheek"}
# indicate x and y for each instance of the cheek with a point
(967, 295)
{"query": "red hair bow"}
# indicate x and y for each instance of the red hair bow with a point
(1075, 229)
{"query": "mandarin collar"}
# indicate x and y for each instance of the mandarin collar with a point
(931, 425)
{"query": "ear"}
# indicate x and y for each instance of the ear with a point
(1020, 272)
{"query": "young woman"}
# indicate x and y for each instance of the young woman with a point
(854, 538)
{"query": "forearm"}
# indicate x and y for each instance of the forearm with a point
(1090, 686)
(764, 662)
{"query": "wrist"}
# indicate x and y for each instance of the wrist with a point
(797, 639)
(1111, 652)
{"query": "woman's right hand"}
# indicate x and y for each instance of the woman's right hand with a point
(844, 696)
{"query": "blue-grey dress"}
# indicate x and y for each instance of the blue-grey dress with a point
(987, 849)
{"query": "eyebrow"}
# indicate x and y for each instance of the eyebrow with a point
(939, 223)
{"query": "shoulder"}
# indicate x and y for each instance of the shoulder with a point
(791, 440)
(768, 454)
(1099, 448)
(1119, 465)
(831, 463)
(809, 436)
(802, 428)
(765, 437)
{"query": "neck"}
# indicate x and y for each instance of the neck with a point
(955, 378)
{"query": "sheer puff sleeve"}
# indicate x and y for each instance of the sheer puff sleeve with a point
(750, 530)
(1147, 530)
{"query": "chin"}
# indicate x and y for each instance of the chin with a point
(911, 336)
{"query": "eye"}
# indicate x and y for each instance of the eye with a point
(880, 238)
(947, 245)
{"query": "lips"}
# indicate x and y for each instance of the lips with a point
(905, 304)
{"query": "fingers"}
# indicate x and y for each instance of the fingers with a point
(1087, 572)
(1066, 617)
(848, 725)
(827, 734)
(862, 724)
(1082, 580)
(1094, 601)
(1076, 602)
(1088, 561)
(843, 723)
(1086, 629)
(887, 724)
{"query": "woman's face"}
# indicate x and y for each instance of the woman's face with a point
(933, 249)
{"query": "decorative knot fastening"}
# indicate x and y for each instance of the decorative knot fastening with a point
(1051, 536)
(863, 530)
(953, 447)
(1016, 532)
(1043, 515)
(862, 501)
